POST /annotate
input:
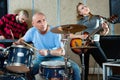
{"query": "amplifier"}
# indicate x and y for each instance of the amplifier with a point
(111, 46)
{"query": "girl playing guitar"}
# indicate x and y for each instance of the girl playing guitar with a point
(92, 22)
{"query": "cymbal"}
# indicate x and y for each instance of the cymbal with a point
(83, 47)
(69, 28)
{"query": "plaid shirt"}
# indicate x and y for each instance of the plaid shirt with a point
(9, 26)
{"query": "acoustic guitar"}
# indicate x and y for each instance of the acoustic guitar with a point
(77, 43)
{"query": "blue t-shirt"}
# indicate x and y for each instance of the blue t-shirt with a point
(49, 40)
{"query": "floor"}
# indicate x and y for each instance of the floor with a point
(95, 77)
(91, 77)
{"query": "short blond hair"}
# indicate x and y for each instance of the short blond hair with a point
(24, 12)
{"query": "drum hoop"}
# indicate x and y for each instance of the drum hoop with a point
(20, 46)
(17, 46)
(45, 66)
(55, 66)
(16, 64)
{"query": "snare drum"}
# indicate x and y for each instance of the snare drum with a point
(19, 58)
(54, 70)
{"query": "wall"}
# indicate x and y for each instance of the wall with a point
(61, 12)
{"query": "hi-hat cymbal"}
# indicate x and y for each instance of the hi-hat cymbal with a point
(70, 28)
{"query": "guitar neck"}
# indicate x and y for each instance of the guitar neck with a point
(95, 31)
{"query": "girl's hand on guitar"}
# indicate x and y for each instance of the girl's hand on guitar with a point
(105, 29)
(105, 26)
(72, 36)
(85, 36)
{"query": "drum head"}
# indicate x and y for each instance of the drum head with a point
(20, 46)
(54, 64)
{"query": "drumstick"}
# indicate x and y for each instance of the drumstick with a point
(29, 45)
(12, 34)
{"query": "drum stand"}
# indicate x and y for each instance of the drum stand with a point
(65, 77)
(66, 58)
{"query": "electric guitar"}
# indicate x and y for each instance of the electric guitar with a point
(77, 43)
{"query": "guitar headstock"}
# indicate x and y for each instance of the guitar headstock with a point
(113, 19)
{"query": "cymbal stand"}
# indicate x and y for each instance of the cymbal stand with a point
(83, 65)
(83, 58)
(65, 74)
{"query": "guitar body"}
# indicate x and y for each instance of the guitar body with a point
(76, 42)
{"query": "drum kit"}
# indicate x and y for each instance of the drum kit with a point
(17, 58)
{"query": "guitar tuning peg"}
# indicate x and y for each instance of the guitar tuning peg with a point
(113, 19)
